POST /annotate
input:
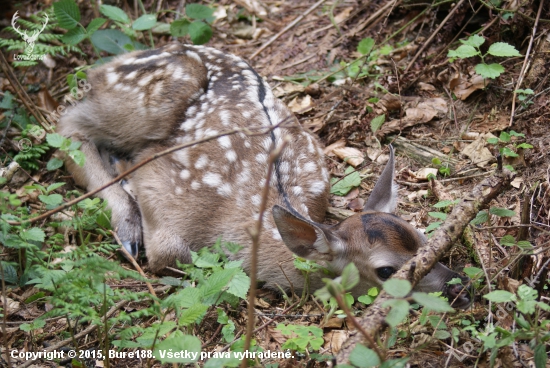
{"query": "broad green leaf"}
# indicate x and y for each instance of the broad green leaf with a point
(78, 157)
(492, 140)
(504, 137)
(438, 215)
(481, 217)
(146, 21)
(183, 299)
(179, 28)
(239, 285)
(178, 348)
(52, 199)
(503, 49)
(199, 12)
(200, 32)
(7, 101)
(363, 357)
(541, 358)
(377, 122)
(473, 272)
(94, 25)
(463, 52)
(54, 164)
(474, 41)
(446, 203)
(508, 152)
(431, 302)
(114, 13)
(10, 275)
(441, 334)
(343, 185)
(74, 36)
(350, 276)
(434, 225)
(55, 139)
(399, 311)
(527, 293)
(365, 46)
(397, 288)
(54, 186)
(33, 234)
(489, 71)
(215, 284)
(67, 13)
(501, 212)
(508, 240)
(524, 146)
(500, 296)
(192, 314)
(110, 40)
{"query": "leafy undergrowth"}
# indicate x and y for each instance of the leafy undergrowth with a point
(445, 102)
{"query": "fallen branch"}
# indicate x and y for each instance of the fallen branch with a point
(373, 321)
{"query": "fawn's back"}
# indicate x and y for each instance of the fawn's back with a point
(144, 102)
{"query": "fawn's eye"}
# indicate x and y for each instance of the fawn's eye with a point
(385, 272)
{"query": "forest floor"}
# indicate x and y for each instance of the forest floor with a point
(440, 115)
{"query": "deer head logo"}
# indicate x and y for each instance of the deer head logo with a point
(29, 39)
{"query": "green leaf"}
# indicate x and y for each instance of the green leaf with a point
(397, 288)
(52, 199)
(434, 225)
(441, 334)
(500, 296)
(377, 122)
(111, 40)
(474, 41)
(55, 139)
(54, 164)
(540, 356)
(508, 240)
(200, 32)
(501, 212)
(10, 274)
(215, 284)
(399, 311)
(446, 203)
(481, 217)
(365, 46)
(343, 185)
(438, 215)
(489, 71)
(192, 314)
(146, 21)
(179, 28)
(492, 140)
(527, 293)
(524, 146)
(74, 36)
(363, 357)
(350, 276)
(504, 137)
(33, 234)
(508, 152)
(431, 302)
(7, 101)
(178, 344)
(67, 13)
(78, 157)
(114, 13)
(54, 186)
(473, 272)
(199, 12)
(463, 52)
(94, 25)
(239, 285)
(503, 49)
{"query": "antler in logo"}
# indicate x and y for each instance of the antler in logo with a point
(29, 39)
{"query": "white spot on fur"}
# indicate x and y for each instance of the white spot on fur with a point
(145, 80)
(201, 162)
(256, 199)
(317, 187)
(179, 191)
(310, 167)
(225, 190)
(231, 156)
(195, 185)
(225, 117)
(185, 174)
(225, 141)
(275, 234)
(261, 158)
(193, 55)
(112, 78)
(284, 167)
(297, 190)
(132, 75)
(266, 143)
(212, 179)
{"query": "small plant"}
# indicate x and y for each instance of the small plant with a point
(523, 94)
(443, 168)
(301, 338)
(342, 186)
(471, 47)
(66, 145)
(507, 147)
(195, 24)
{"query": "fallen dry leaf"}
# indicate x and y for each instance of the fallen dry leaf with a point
(478, 152)
(300, 104)
(350, 155)
(423, 173)
(463, 86)
(334, 340)
(330, 148)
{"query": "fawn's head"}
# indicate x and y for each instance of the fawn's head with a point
(376, 240)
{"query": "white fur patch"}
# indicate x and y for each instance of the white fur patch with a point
(231, 156)
(201, 162)
(310, 167)
(225, 190)
(185, 174)
(212, 179)
(317, 187)
(225, 141)
(195, 185)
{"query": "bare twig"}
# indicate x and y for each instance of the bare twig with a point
(292, 24)
(525, 63)
(430, 39)
(255, 235)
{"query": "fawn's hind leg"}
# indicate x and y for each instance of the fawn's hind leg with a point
(96, 173)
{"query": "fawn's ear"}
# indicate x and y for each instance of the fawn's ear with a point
(303, 237)
(384, 195)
